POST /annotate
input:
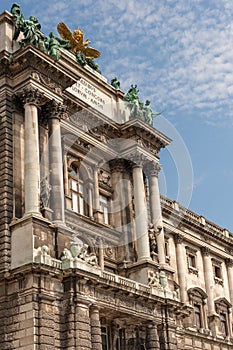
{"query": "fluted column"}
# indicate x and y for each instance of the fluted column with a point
(209, 279)
(31, 99)
(181, 267)
(156, 212)
(140, 213)
(96, 339)
(55, 111)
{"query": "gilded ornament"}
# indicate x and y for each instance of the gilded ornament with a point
(76, 40)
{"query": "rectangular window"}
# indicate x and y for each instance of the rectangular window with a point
(197, 314)
(191, 260)
(104, 337)
(104, 208)
(217, 271)
(223, 322)
(77, 196)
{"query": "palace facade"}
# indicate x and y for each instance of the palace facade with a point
(92, 256)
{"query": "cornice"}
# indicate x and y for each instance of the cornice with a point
(194, 222)
(31, 58)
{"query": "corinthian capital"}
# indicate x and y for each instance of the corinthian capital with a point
(31, 96)
(137, 158)
(178, 238)
(153, 169)
(205, 250)
(55, 110)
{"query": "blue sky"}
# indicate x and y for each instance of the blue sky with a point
(180, 55)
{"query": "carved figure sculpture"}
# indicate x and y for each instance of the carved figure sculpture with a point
(76, 41)
(45, 190)
(53, 45)
(115, 83)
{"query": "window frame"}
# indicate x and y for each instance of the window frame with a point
(223, 308)
(217, 271)
(79, 192)
(198, 298)
(191, 257)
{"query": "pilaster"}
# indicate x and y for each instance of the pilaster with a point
(152, 338)
(96, 340)
(209, 279)
(181, 266)
(83, 326)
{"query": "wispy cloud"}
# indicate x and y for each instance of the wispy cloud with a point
(180, 54)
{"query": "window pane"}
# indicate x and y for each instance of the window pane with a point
(80, 188)
(223, 321)
(81, 206)
(106, 221)
(75, 202)
(74, 185)
(191, 259)
(197, 313)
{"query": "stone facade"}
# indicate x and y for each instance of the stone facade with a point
(92, 256)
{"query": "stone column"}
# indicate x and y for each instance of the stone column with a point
(100, 244)
(140, 213)
(229, 265)
(152, 338)
(55, 111)
(96, 196)
(32, 99)
(90, 202)
(181, 267)
(156, 212)
(117, 167)
(96, 339)
(209, 279)
(83, 327)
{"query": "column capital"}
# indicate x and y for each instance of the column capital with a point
(54, 110)
(31, 96)
(205, 251)
(229, 262)
(153, 168)
(138, 159)
(117, 164)
(178, 238)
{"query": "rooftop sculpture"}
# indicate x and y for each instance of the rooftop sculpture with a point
(32, 35)
(137, 107)
(76, 41)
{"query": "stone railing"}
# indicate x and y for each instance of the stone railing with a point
(42, 256)
(193, 217)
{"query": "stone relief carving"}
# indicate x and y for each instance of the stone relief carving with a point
(78, 251)
(45, 190)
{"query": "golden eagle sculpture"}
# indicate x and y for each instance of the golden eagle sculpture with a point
(76, 41)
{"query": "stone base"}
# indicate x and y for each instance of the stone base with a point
(139, 270)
